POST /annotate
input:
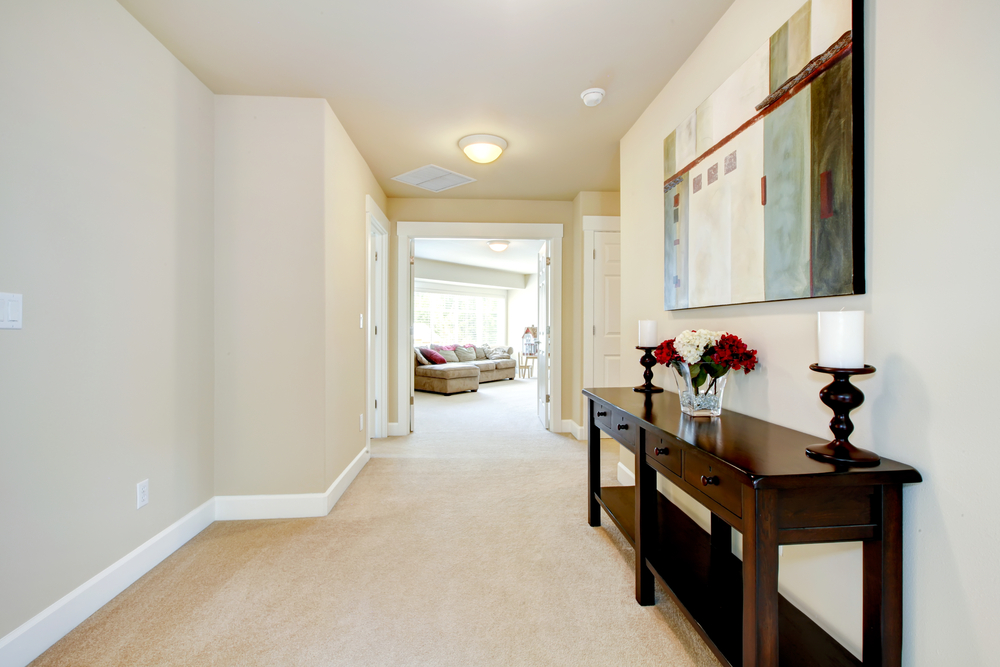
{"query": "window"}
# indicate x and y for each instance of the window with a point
(444, 316)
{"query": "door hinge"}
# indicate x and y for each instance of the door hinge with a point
(548, 399)
(411, 400)
(548, 260)
(411, 261)
(376, 404)
(376, 329)
(595, 253)
(376, 255)
(548, 330)
(595, 329)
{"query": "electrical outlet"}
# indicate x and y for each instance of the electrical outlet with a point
(361, 422)
(141, 493)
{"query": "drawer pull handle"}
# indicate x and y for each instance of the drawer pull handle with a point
(660, 451)
(602, 414)
(623, 427)
(707, 481)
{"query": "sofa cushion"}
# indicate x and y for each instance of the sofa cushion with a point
(449, 355)
(432, 356)
(485, 364)
(421, 359)
(506, 363)
(480, 353)
(465, 353)
(499, 353)
(448, 371)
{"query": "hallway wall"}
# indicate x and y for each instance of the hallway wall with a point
(930, 308)
(106, 205)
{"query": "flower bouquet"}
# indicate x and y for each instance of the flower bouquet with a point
(702, 360)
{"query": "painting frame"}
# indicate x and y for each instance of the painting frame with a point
(772, 252)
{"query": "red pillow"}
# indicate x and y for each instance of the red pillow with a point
(447, 347)
(432, 356)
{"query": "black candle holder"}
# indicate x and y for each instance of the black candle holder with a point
(841, 396)
(647, 361)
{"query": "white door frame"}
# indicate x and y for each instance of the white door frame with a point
(377, 305)
(591, 224)
(407, 231)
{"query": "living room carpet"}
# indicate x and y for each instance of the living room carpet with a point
(465, 543)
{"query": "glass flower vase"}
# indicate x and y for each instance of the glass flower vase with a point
(703, 401)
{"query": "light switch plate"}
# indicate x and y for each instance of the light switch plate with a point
(11, 311)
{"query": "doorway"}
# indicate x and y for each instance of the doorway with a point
(548, 366)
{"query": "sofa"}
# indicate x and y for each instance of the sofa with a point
(465, 367)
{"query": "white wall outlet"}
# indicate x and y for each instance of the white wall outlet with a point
(141, 493)
(10, 310)
(361, 422)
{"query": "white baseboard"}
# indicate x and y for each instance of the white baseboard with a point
(395, 428)
(570, 426)
(292, 505)
(625, 476)
(32, 638)
(49, 626)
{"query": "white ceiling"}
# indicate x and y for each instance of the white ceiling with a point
(408, 78)
(519, 257)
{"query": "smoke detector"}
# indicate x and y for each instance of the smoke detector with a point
(592, 96)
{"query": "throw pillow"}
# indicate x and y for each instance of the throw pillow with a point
(480, 353)
(432, 356)
(421, 359)
(465, 353)
(447, 347)
(449, 355)
(499, 353)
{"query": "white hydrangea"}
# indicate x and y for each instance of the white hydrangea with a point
(692, 344)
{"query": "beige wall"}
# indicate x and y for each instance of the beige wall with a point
(348, 179)
(932, 277)
(290, 276)
(466, 210)
(585, 203)
(106, 191)
(269, 282)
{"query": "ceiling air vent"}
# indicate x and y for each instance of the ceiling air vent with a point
(433, 178)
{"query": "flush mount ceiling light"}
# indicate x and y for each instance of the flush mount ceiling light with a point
(498, 246)
(592, 96)
(482, 148)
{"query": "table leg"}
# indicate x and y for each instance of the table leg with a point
(645, 525)
(593, 468)
(882, 642)
(760, 578)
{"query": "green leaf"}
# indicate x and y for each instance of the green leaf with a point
(698, 380)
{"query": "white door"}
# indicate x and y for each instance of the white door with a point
(607, 309)
(544, 328)
(374, 309)
(413, 252)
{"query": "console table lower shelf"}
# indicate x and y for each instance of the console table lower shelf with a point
(707, 585)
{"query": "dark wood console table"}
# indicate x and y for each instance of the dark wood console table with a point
(755, 477)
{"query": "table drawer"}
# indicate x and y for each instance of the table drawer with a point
(665, 451)
(602, 415)
(714, 480)
(624, 429)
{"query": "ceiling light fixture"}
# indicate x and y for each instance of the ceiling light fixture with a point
(592, 96)
(498, 246)
(482, 148)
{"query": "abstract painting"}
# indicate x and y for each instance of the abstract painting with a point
(762, 191)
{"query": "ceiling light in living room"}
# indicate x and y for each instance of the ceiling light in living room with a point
(482, 148)
(498, 246)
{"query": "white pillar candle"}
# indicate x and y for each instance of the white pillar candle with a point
(647, 333)
(842, 339)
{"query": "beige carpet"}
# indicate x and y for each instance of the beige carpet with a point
(465, 543)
